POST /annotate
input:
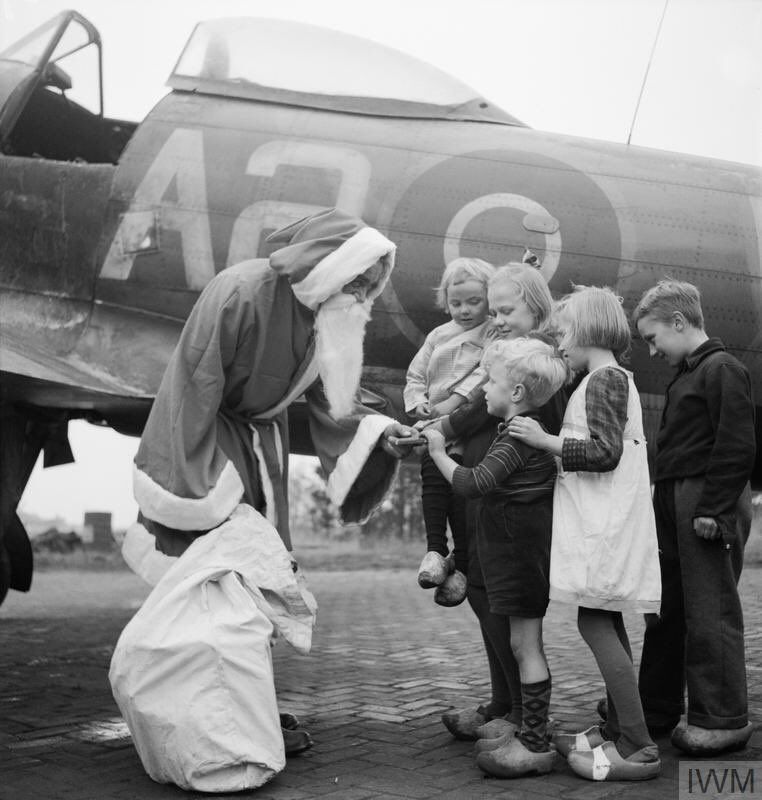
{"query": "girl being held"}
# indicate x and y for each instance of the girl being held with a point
(441, 376)
(604, 552)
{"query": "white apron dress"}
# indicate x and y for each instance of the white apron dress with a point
(604, 552)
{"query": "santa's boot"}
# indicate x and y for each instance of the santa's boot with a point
(288, 721)
(296, 741)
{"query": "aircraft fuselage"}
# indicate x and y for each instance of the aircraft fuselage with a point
(101, 265)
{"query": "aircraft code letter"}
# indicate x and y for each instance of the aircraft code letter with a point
(263, 215)
(182, 159)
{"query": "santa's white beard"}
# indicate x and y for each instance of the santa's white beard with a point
(340, 329)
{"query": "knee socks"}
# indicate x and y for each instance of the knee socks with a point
(535, 700)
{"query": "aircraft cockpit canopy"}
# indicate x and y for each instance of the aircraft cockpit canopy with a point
(51, 95)
(297, 64)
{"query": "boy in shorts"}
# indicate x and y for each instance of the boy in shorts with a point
(515, 483)
(704, 457)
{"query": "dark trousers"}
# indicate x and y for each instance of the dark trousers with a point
(441, 506)
(698, 639)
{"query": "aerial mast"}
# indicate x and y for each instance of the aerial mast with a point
(648, 67)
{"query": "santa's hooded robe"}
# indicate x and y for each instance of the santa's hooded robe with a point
(217, 434)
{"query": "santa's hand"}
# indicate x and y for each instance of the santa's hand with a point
(527, 430)
(435, 439)
(393, 440)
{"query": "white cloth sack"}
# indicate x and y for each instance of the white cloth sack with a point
(192, 671)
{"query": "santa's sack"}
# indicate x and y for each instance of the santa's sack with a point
(192, 671)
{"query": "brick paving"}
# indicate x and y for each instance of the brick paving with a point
(386, 662)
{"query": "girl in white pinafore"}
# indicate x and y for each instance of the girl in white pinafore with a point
(604, 551)
(604, 554)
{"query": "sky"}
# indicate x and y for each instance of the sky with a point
(570, 66)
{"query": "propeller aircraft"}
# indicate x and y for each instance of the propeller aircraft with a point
(109, 228)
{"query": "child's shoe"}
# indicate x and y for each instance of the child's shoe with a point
(463, 724)
(498, 727)
(495, 728)
(485, 745)
(604, 763)
(514, 759)
(433, 570)
(655, 730)
(697, 741)
(582, 742)
(452, 592)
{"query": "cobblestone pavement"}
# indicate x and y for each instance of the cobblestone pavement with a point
(385, 663)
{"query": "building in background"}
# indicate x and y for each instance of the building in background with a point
(99, 523)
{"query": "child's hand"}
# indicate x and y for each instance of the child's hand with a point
(527, 430)
(434, 424)
(435, 439)
(422, 411)
(706, 528)
(493, 333)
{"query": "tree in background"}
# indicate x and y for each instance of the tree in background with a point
(400, 517)
(311, 512)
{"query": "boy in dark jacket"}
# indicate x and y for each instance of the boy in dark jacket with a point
(704, 456)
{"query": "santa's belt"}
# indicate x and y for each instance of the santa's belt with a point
(268, 448)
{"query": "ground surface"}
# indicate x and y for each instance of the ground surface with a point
(385, 663)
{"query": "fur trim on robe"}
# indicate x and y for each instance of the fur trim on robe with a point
(350, 465)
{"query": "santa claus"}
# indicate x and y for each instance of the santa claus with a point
(262, 334)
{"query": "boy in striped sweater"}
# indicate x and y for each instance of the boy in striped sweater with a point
(515, 483)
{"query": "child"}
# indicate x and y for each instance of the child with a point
(515, 484)
(440, 377)
(603, 553)
(704, 457)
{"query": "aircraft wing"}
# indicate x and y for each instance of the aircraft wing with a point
(39, 363)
